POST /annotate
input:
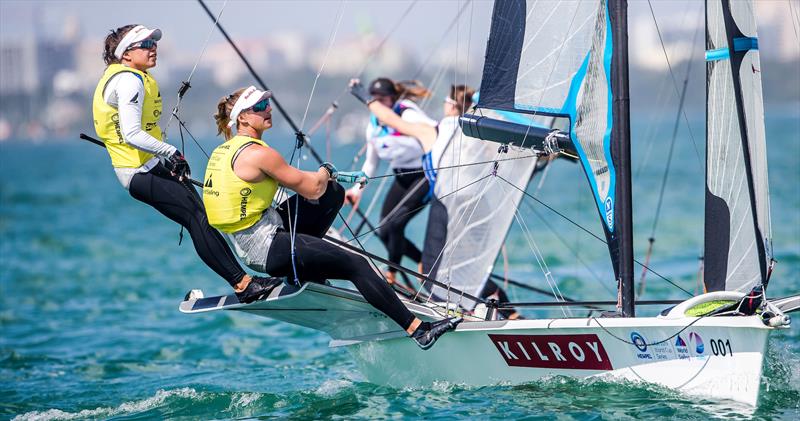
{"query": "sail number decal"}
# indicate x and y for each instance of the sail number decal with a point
(575, 352)
(721, 348)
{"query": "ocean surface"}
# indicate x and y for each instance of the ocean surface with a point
(90, 282)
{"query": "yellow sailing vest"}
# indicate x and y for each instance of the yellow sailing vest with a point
(233, 204)
(106, 118)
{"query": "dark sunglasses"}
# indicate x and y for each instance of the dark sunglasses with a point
(146, 44)
(260, 105)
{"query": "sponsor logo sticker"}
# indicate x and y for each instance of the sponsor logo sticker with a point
(573, 352)
(699, 347)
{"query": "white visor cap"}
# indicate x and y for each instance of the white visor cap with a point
(249, 97)
(138, 33)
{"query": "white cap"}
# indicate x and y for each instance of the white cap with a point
(249, 97)
(138, 33)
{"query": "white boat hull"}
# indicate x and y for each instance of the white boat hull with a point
(717, 357)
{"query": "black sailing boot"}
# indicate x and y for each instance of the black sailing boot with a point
(258, 288)
(427, 333)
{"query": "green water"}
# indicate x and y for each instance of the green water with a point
(91, 280)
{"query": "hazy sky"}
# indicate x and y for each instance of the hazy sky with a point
(186, 23)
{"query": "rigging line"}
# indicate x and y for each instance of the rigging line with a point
(372, 203)
(548, 276)
(187, 83)
(183, 126)
(650, 137)
(674, 82)
(385, 38)
(331, 40)
(651, 240)
(449, 167)
(385, 219)
(441, 39)
(592, 234)
(459, 222)
(419, 207)
(258, 79)
(570, 248)
(795, 17)
(365, 253)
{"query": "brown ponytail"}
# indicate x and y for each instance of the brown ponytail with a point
(411, 89)
(462, 95)
(224, 108)
(112, 41)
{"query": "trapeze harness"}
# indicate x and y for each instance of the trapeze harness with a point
(262, 233)
(126, 108)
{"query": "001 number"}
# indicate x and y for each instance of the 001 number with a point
(720, 347)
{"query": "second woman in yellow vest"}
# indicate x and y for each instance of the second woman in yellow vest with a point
(127, 107)
(240, 183)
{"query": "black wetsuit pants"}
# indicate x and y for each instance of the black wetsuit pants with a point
(317, 259)
(405, 200)
(181, 203)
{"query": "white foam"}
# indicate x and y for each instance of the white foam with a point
(125, 408)
(331, 387)
(242, 400)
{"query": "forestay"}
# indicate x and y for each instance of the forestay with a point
(738, 235)
(550, 58)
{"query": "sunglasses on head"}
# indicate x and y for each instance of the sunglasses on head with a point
(146, 44)
(261, 105)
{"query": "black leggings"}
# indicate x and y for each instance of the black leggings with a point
(403, 202)
(181, 203)
(317, 259)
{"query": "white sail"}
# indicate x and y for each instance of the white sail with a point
(477, 208)
(738, 231)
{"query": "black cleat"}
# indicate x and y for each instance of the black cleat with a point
(427, 333)
(258, 288)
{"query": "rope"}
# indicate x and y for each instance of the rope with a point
(674, 81)
(648, 344)
(590, 233)
(456, 166)
(652, 238)
(187, 84)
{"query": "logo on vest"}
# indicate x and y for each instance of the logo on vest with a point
(245, 192)
(573, 352)
(208, 182)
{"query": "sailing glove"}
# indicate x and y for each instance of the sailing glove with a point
(360, 92)
(178, 166)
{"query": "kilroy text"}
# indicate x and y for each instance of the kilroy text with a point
(576, 352)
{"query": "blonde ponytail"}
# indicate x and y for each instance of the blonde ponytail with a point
(411, 89)
(222, 117)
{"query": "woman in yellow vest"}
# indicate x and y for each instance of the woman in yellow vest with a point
(126, 108)
(241, 179)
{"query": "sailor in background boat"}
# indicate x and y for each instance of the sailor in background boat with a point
(409, 191)
(242, 177)
(127, 107)
(434, 140)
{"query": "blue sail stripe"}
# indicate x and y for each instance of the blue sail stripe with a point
(718, 54)
(745, 43)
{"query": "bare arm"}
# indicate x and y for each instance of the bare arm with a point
(425, 133)
(255, 162)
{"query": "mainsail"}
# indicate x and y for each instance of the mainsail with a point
(549, 58)
(738, 234)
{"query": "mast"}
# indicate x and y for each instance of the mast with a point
(621, 150)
